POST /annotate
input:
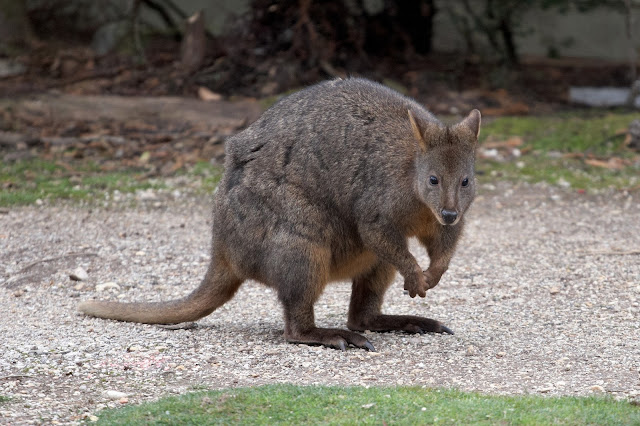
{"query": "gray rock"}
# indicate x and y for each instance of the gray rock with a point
(10, 68)
(601, 96)
(79, 274)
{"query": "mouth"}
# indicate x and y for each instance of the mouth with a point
(447, 217)
(444, 223)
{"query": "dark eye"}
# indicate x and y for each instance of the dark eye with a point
(465, 182)
(433, 180)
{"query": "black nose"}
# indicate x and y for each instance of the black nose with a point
(449, 216)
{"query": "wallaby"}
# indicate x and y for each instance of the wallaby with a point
(328, 184)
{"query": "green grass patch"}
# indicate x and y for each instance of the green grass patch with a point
(288, 404)
(206, 173)
(597, 133)
(561, 149)
(25, 182)
(4, 399)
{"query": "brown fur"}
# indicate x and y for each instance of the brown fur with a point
(328, 184)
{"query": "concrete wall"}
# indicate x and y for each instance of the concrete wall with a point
(596, 34)
(599, 33)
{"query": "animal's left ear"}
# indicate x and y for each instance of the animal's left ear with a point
(472, 122)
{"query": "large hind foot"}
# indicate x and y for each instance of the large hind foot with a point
(330, 337)
(407, 323)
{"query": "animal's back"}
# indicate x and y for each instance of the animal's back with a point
(332, 141)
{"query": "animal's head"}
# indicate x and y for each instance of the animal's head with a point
(445, 179)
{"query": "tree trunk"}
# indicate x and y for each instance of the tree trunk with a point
(416, 18)
(510, 52)
(15, 29)
(194, 43)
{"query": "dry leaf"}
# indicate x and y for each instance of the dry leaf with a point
(613, 163)
(207, 95)
(512, 142)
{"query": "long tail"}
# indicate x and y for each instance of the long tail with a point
(212, 293)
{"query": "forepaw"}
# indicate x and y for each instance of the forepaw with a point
(416, 287)
(431, 279)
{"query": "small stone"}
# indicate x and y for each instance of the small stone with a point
(115, 395)
(501, 354)
(93, 418)
(107, 286)
(369, 405)
(78, 286)
(123, 400)
(554, 290)
(596, 388)
(79, 274)
(545, 389)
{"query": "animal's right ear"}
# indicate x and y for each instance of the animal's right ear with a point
(472, 122)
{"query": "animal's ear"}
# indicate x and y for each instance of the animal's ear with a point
(417, 132)
(472, 122)
(422, 131)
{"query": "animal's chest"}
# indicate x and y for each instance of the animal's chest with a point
(352, 265)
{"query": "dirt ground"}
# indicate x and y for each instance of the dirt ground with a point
(543, 295)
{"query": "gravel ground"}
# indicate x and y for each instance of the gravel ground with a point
(543, 295)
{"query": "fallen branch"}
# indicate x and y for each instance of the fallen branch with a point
(91, 76)
(610, 252)
(15, 376)
(53, 259)
(180, 326)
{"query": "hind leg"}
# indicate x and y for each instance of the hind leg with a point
(365, 308)
(300, 279)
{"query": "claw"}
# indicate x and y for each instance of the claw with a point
(368, 346)
(445, 329)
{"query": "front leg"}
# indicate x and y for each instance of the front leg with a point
(365, 308)
(391, 247)
(440, 248)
